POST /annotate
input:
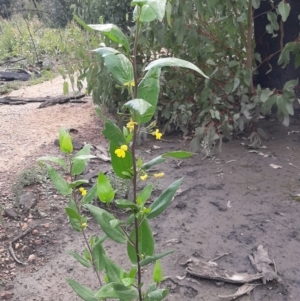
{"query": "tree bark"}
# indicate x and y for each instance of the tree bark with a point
(269, 73)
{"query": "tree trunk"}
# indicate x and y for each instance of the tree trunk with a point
(269, 73)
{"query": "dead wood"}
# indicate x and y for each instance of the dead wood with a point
(242, 290)
(11, 76)
(210, 270)
(46, 101)
(264, 265)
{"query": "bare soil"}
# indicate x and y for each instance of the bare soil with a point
(229, 204)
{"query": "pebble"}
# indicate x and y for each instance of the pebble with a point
(47, 225)
(35, 232)
(24, 226)
(17, 246)
(6, 295)
(38, 242)
(32, 258)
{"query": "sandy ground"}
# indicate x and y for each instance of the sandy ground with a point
(228, 205)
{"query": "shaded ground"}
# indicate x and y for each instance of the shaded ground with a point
(228, 204)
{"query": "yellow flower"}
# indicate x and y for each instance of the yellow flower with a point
(120, 152)
(130, 125)
(83, 225)
(83, 191)
(144, 177)
(131, 84)
(158, 175)
(157, 134)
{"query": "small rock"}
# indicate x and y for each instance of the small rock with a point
(9, 286)
(180, 205)
(17, 246)
(35, 232)
(38, 242)
(24, 226)
(31, 258)
(6, 295)
(10, 213)
(47, 225)
(27, 201)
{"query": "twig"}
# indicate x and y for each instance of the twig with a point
(285, 225)
(220, 256)
(10, 247)
(230, 161)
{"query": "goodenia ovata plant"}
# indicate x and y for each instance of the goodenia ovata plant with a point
(134, 233)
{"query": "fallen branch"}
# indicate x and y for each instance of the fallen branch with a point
(46, 101)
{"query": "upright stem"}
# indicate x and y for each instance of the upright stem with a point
(249, 45)
(83, 233)
(136, 223)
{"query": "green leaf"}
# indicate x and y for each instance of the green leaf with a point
(113, 32)
(158, 294)
(149, 259)
(284, 10)
(58, 181)
(104, 190)
(74, 184)
(169, 13)
(159, 7)
(126, 204)
(117, 291)
(79, 161)
(144, 195)
(163, 201)
(98, 255)
(142, 109)
(83, 292)
(154, 161)
(173, 62)
(121, 166)
(65, 88)
(65, 141)
(149, 88)
(80, 259)
(178, 154)
(113, 133)
(128, 281)
(76, 221)
(145, 244)
(119, 66)
(91, 194)
(114, 273)
(147, 14)
(265, 94)
(103, 218)
(82, 23)
(73, 213)
(59, 161)
(157, 272)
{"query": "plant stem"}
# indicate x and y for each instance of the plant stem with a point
(136, 222)
(83, 233)
(249, 46)
(134, 180)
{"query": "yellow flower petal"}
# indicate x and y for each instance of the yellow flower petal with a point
(83, 225)
(124, 147)
(157, 134)
(120, 153)
(130, 125)
(144, 177)
(158, 175)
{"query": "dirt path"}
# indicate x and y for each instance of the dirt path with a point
(229, 204)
